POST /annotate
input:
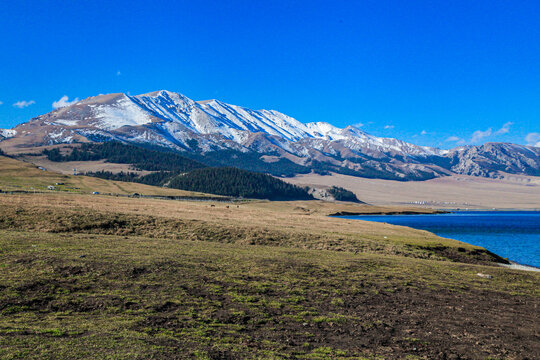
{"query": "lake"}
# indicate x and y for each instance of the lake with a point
(511, 234)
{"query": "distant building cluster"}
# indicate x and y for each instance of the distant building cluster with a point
(432, 202)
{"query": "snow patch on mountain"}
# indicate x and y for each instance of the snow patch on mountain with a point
(67, 122)
(235, 123)
(124, 112)
(7, 133)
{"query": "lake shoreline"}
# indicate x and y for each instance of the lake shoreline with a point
(510, 234)
(516, 266)
(390, 212)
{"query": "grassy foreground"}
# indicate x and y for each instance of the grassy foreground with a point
(119, 278)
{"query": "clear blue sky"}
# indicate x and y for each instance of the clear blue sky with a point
(422, 71)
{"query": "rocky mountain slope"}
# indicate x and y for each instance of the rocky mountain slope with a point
(490, 159)
(212, 128)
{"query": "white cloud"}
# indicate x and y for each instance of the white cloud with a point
(23, 103)
(452, 138)
(1, 103)
(64, 101)
(358, 125)
(424, 132)
(118, 73)
(505, 128)
(533, 139)
(389, 127)
(479, 135)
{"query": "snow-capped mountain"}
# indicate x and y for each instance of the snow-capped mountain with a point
(175, 121)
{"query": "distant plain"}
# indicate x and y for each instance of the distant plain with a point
(458, 191)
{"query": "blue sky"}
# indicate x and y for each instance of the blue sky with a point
(433, 73)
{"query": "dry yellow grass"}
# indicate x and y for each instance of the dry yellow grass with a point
(303, 224)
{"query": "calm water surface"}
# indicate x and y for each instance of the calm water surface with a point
(511, 234)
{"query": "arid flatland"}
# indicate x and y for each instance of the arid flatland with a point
(458, 191)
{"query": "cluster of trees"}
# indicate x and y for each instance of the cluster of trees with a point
(161, 159)
(236, 182)
(249, 161)
(117, 152)
(342, 194)
(158, 178)
(243, 176)
(181, 172)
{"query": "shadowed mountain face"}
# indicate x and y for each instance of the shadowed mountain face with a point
(209, 128)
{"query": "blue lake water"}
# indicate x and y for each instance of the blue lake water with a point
(511, 234)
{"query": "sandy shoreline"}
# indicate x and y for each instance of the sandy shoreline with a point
(516, 266)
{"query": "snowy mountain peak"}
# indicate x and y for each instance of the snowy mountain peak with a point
(173, 120)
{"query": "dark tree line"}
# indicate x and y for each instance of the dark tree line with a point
(158, 178)
(249, 161)
(342, 194)
(236, 182)
(188, 172)
(117, 152)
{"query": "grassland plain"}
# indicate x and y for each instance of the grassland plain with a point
(121, 278)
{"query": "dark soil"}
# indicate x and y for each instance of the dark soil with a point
(287, 308)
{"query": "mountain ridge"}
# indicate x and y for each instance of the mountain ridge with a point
(174, 121)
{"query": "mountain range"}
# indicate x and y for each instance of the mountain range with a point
(213, 128)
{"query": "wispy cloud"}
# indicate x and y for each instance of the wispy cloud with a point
(64, 101)
(359, 125)
(533, 139)
(118, 73)
(1, 103)
(389, 126)
(424, 132)
(478, 135)
(505, 128)
(456, 139)
(23, 103)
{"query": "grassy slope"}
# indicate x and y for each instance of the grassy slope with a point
(103, 277)
(17, 175)
(298, 224)
(88, 296)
